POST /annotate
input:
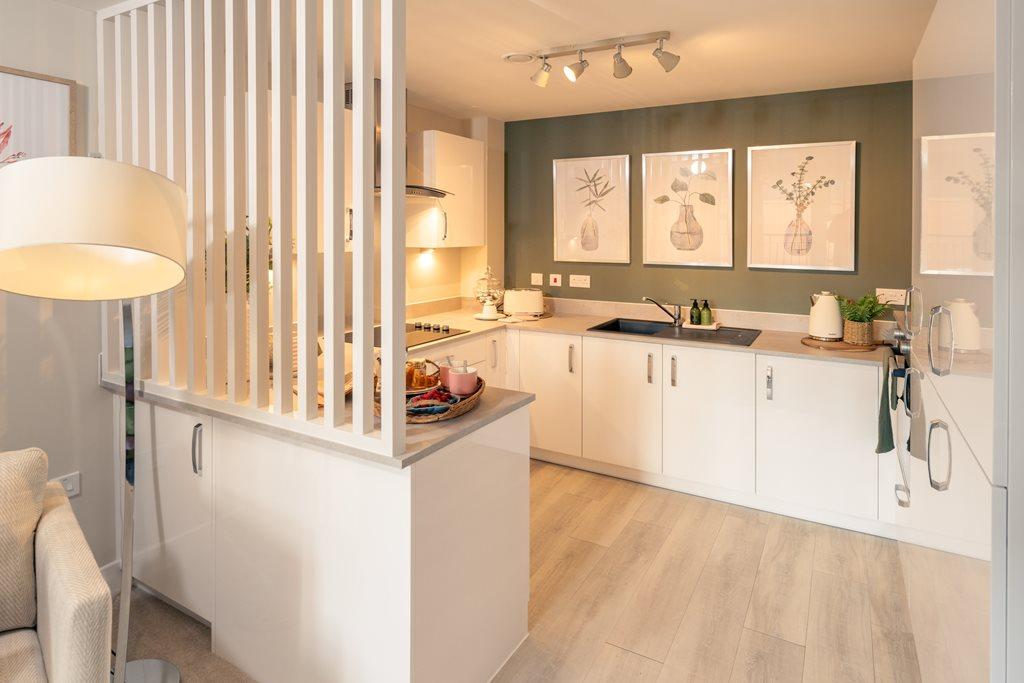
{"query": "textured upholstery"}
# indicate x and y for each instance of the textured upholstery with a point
(22, 480)
(21, 660)
(74, 600)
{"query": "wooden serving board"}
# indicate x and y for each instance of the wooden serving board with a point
(838, 345)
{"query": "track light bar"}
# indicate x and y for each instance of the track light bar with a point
(620, 67)
(607, 44)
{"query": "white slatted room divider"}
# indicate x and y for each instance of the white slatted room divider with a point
(224, 97)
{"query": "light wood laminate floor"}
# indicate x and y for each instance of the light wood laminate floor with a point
(635, 583)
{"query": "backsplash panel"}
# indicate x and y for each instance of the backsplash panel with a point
(878, 117)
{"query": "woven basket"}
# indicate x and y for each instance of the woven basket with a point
(860, 334)
(467, 404)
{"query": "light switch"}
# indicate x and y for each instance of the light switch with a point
(537, 279)
(579, 281)
(72, 483)
(555, 279)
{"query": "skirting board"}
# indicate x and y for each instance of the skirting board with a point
(752, 500)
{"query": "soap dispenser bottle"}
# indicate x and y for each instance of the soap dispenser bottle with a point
(705, 314)
(695, 313)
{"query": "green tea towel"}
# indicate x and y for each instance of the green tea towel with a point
(885, 442)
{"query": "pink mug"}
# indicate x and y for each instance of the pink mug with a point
(462, 380)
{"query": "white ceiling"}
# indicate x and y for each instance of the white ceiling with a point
(729, 48)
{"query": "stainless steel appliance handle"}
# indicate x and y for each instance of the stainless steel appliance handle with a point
(936, 312)
(494, 350)
(769, 384)
(936, 484)
(197, 453)
(572, 353)
(673, 378)
(650, 368)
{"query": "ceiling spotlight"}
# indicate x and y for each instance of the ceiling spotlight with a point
(540, 79)
(621, 67)
(574, 71)
(667, 60)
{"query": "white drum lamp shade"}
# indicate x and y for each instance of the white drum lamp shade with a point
(89, 229)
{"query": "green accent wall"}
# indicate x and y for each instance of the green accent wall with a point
(878, 117)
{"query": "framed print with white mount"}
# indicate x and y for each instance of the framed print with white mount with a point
(591, 209)
(688, 208)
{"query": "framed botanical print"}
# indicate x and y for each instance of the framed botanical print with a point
(957, 188)
(591, 205)
(37, 115)
(688, 208)
(801, 206)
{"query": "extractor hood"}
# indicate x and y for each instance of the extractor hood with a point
(414, 191)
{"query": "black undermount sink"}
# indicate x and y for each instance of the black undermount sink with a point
(734, 336)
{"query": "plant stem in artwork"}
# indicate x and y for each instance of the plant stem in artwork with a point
(597, 187)
(800, 193)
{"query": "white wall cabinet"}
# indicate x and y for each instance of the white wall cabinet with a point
(457, 165)
(622, 403)
(708, 416)
(550, 366)
(816, 434)
(174, 506)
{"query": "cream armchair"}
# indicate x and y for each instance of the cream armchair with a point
(71, 639)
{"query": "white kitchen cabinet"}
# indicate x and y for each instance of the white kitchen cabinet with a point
(708, 416)
(551, 366)
(622, 403)
(174, 506)
(486, 352)
(457, 165)
(816, 434)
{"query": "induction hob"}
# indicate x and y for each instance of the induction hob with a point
(417, 334)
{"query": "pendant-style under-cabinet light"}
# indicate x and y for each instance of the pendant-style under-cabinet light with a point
(620, 67)
(540, 79)
(575, 70)
(667, 59)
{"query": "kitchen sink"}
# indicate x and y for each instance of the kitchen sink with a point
(734, 336)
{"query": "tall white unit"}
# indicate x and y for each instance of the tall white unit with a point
(550, 366)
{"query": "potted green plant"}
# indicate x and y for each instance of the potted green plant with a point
(858, 317)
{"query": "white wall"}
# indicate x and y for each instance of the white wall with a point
(49, 396)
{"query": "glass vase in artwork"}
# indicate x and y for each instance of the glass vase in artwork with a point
(686, 233)
(588, 233)
(798, 237)
(983, 238)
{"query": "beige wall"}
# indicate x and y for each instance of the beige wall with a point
(49, 396)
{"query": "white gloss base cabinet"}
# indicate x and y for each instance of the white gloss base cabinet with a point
(485, 352)
(550, 367)
(622, 403)
(816, 434)
(174, 506)
(708, 417)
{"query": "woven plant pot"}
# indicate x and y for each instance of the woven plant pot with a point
(858, 333)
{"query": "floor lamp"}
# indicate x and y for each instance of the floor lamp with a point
(87, 229)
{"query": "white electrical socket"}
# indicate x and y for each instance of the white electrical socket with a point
(537, 278)
(72, 483)
(579, 281)
(555, 279)
(894, 297)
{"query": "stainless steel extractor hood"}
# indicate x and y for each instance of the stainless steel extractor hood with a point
(418, 191)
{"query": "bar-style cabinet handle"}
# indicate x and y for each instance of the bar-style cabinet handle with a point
(673, 377)
(935, 483)
(769, 382)
(909, 393)
(351, 225)
(572, 352)
(444, 217)
(936, 312)
(494, 350)
(197, 449)
(650, 368)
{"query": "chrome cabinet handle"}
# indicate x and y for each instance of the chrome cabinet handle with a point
(673, 370)
(769, 384)
(494, 349)
(936, 312)
(444, 217)
(650, 368)
(936, 484)
(572, 350)
(902, 495)
(908, 308)
(909, 393)
(197, 452)
(351, 221)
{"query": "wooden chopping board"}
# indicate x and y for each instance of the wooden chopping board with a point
(838, 345)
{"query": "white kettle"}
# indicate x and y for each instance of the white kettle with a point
(826, 322)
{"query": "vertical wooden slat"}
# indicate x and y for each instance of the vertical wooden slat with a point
(363, 55)
(258, 194)
(306, 200)
(105, 139)
(334, 213)
(139, 86)
(121, 147)
(281, 45)
(157, 129)
(234, 187)
(392, 203)
(216, 300)
(195, 189)
(174, 48)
